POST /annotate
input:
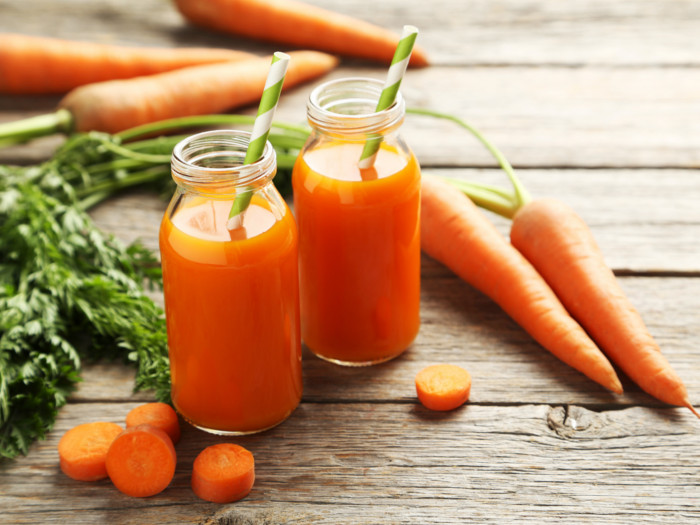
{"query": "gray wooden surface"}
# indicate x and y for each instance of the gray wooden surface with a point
(595, 103)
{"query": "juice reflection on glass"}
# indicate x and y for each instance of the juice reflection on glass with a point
(358, 228)
(231, 297)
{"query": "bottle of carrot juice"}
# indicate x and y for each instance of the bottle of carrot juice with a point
(359, 243)
(231, 290)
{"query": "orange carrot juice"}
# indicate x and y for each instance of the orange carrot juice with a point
(231, 289)
(359, 252)
(232, 310)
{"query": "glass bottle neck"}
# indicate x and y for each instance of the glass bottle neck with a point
(212, 162)
(347, 108)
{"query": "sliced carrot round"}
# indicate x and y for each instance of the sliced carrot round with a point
(223, 473)
(83, 449)
(159, 415)
(443, 387)
(141, 461)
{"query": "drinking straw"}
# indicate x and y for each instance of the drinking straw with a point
(390, 89)
(261, 129)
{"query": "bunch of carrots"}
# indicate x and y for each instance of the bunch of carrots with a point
(551, 278)
(141, 459)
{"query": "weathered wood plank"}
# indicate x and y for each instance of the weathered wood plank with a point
(538, 117)
(545, 117)
(360, 449)
(629, 211)
(462, 326)
(482, 32)
(399, 463)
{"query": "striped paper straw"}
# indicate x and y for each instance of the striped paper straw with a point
(261, 129)
(391, 87)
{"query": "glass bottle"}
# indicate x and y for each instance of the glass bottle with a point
(359, 233)
(231, 295)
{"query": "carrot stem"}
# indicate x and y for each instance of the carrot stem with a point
(23, 130)
(93, 200)
(140, 177)
(93, 195)
(117, 164)
(62, 121)
(488, 199)
(199, 121)
(128, 153)
(161, 143)
(486, 196)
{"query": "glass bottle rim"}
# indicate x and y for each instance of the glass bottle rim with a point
(348, 106)
(214, 160)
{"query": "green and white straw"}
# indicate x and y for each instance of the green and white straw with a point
(391, 87)
(261, 129)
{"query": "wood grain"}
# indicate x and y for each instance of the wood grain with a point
(635, 33)
(629, 212)
(462, 326)
(400, 463)
(595, 103)
(554, 118)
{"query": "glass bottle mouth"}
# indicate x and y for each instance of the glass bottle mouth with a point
(348, 106)
(213, 161)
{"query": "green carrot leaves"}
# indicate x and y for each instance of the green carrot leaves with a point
(67, 292)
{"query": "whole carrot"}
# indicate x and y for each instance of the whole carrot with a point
(198, 90)
(559, 244)
(117, 105)
(298, 24)
(41, 65)
(456, 233)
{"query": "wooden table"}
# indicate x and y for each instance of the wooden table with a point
(596, 103)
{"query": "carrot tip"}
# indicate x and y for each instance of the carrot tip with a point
(692, 409)
(617, 387)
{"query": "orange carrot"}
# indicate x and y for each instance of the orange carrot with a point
(83, 449)
(117, 105)
(443, 387)
(198, 90)
(298, 24)
(456, 233)
(141, 461)
(159, 415)
(561, 247)
(223, 473)
(33, 64)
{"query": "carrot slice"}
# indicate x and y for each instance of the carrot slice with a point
(83, 449)
(141, 461)
(158, 415)
(443, 387)
(223, 473)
